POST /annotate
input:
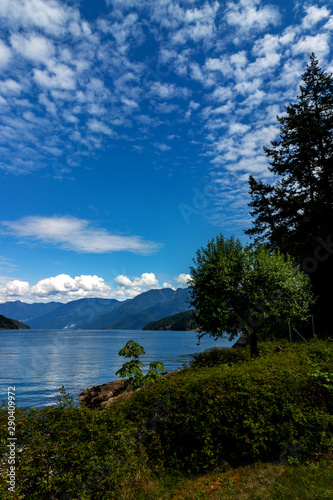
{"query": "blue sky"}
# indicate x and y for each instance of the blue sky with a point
(128, 130)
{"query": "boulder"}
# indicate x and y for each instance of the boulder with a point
(101, 396)
(105, 394)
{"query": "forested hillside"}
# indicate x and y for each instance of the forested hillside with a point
(11, 324)
(183, 321)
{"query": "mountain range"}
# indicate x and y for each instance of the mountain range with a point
(26, 312)
(95, 313)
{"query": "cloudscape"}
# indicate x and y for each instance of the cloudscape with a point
(128, 131)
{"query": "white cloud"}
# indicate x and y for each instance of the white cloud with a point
(222, 94)
(146, 280)
(329, 24)
(129, 288)
(198, 24)
(183, 279)
(64, 288)
(247, 15)
(10, 87)
(319, 44)
(123, 293)
(69, 117)
(165, 107)
(99, 127)
(267, 44)
(241, 150)
(15, 288)
(5, 54)
(193, 106)
(289, 76)
(207, 79)
(35, 48)
(314, 15)
(218, 64)
(78, 287)
(58, 76)
(253, 101)
(168, 285)
(61, 288)
(49, 105)
(125, 4)
(223, 110)
(78, 235)
(129, 103)
(184, 23)
(239, 59)
(49, 15)
(248, 86)
(168, 91)
(238, 128)
(3, 103)
(162, 147)
(268, 52)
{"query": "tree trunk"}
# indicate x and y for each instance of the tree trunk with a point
(254, 345)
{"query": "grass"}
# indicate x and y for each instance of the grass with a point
(308, 481)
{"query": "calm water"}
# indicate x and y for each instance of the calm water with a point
(38, 362)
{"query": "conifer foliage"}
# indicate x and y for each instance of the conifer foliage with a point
(297, 211)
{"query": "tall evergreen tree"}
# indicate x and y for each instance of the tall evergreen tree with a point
(297, 211)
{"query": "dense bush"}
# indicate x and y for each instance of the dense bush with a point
(217, 356)
(73, 453)
(276, 407)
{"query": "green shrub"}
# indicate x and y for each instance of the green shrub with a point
(271, 408)
(73, 453)
(133, 368)
(216, 356)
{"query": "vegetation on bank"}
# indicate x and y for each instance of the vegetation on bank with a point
(181, 322)
(12, 324)
(223, 412)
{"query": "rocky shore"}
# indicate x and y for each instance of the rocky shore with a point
(101, 396)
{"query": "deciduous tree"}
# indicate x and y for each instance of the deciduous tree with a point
(246, 289)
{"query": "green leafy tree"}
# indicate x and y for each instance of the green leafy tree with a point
(238, 288)
(297, 211)
(133, 368)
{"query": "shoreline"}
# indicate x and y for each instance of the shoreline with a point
(103, 395)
